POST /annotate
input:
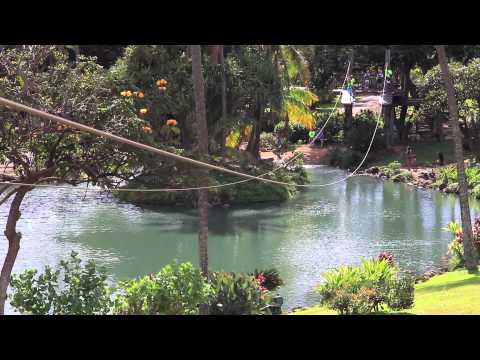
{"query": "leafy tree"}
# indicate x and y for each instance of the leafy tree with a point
(42, 151)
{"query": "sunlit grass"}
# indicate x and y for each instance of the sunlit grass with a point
(452, 293)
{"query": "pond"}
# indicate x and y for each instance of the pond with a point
(319, 230)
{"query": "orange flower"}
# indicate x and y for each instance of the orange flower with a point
(162, 88)
(143, 111)
(162, 83)
(140, 94)
(128, 93)
(147, 129)
(171, 122)
(123, 93)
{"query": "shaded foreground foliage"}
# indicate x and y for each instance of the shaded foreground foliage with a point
(177, 289)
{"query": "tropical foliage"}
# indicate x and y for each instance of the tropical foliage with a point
(73, 289)
(366, 288)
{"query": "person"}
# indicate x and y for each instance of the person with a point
(441, 160)
(410, 158)
(350, 85)
(365, 80)
(321, 137)
(379, 79)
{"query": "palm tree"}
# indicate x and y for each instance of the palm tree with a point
(202, 143)
(470, 252)
(283, 65)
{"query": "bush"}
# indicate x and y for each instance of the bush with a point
(334, 130)
(82, 291)
(401, 294)
(236, 294)
(345, 159)
(360, 135)
(269, 279)
(455, 248)
(177, 289)
(268, 141)
(366, 288)
(447, 178)
(391, 169)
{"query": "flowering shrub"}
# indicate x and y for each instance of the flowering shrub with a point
(269, 279)
(366, 288)
(387, 257)
(455, 248)
(238, 294)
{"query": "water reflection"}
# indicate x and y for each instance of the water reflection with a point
(320, 229)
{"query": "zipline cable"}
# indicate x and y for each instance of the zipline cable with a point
(23, 108)
(334, 108)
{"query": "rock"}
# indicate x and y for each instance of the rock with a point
(424, 175)
(398, 178)
(452, 188)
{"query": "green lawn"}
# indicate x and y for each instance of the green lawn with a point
(452, 293)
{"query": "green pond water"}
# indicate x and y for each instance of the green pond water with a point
(319, 230)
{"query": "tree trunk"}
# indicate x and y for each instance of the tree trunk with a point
(468, 246)
(224, 98)
(253, 146)
(348, 117)
(200, 109)
(214, 53)
(387, 116)
(13, 238)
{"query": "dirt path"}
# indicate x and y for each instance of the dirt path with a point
(312, 155)
(6, 170)
(366, 102)
(315, 155)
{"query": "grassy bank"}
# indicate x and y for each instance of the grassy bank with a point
(452, 293)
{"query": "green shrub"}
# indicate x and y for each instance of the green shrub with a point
(447, 177)
(392, 169)
(360, 135)
(366, 288)
(177, 289)
(400, 294)
(455, 248)
(333, 132)
(473, 176)
(72, 290)
(268, 141)
(236, 294)
(345, 159)
(476, 192)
